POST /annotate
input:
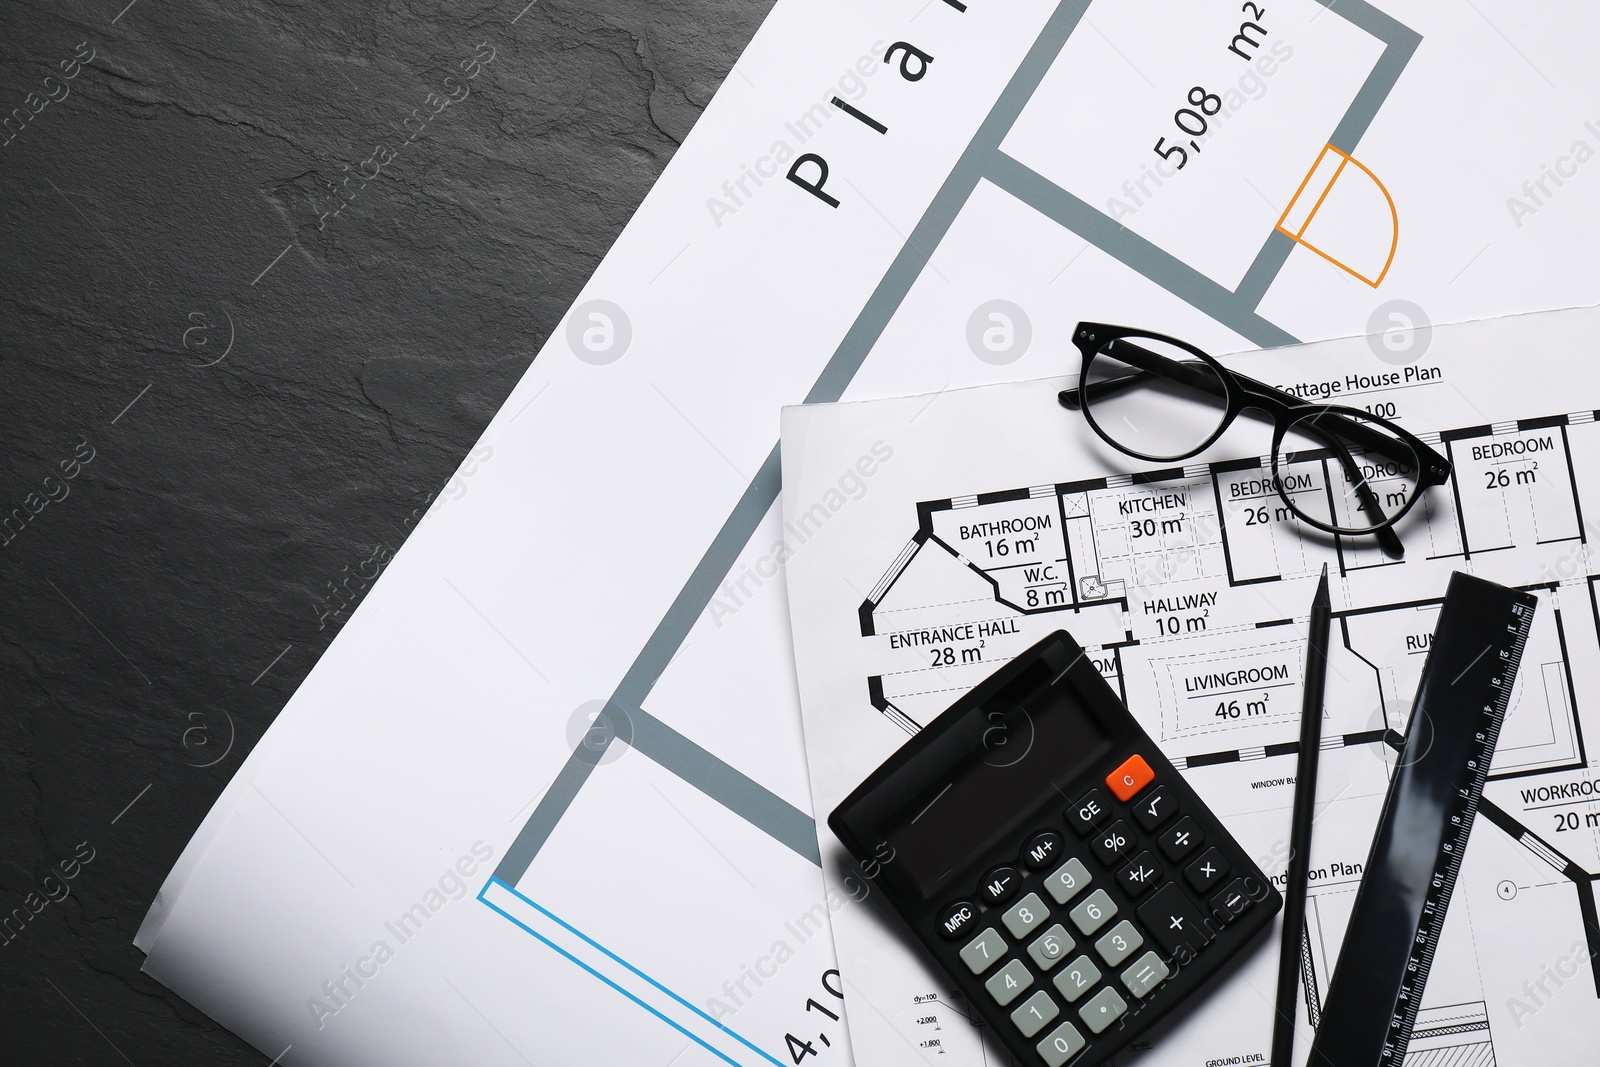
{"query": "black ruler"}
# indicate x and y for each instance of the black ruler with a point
(1376, 990)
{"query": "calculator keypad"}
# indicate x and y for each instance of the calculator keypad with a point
(1099, 955)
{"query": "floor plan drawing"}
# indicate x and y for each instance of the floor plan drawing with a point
(1278, 140)
(1148, 569)
(595, 643)
(1013, 156)
(1188, 586)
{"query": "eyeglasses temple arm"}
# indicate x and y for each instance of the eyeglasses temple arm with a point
(1073, 398)
(1150, 364)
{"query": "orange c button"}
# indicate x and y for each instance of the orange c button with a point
(1128, 779)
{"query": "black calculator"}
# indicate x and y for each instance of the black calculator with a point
(1058, 868)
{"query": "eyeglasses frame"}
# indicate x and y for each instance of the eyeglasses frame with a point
(1244, 394)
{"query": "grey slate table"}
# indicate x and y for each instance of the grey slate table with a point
(240, 350)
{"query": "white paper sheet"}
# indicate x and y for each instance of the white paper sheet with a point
(996, 517)
(620, 544)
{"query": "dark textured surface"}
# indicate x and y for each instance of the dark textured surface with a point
(162, 600)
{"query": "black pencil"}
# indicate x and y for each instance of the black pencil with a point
(1305, 804)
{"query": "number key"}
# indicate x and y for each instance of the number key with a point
(1119, 944)
(1051, 947)
(1009, 982)
(983, 951)
(1067, 881)
(1025, 914)
(1034, 1013)
(1095, 911)
(1114, 841)
(1060, 1045)
(1077, 979)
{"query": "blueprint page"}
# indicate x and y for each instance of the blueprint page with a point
(993, 516)
(546, 791)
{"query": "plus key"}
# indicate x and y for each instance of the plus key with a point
(1175, 922)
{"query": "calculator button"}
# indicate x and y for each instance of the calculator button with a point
(1232, 902)
(1173, 921)
(983, 951)
(1207, 872)
(1102, 1009)
(1120, 943)
(1051, 947)
(957, 918)
(1077, 978)
(1025, 915)
(1060, 1045)
(1095, 911)
(1154, 808)
(1140, 875)
(1088, 812)
(1128, 779)
(1042, 851)
(1008, 982)
(1113, 841)
(1034, 1013)
(1180, 839)
(1144, 974)
(1067, 881)
(999, 885)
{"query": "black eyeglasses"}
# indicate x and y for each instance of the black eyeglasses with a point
(1339, 469)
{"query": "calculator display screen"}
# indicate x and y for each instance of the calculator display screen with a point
(1023, 756)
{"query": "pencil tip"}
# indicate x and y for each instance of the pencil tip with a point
(1324, 572)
